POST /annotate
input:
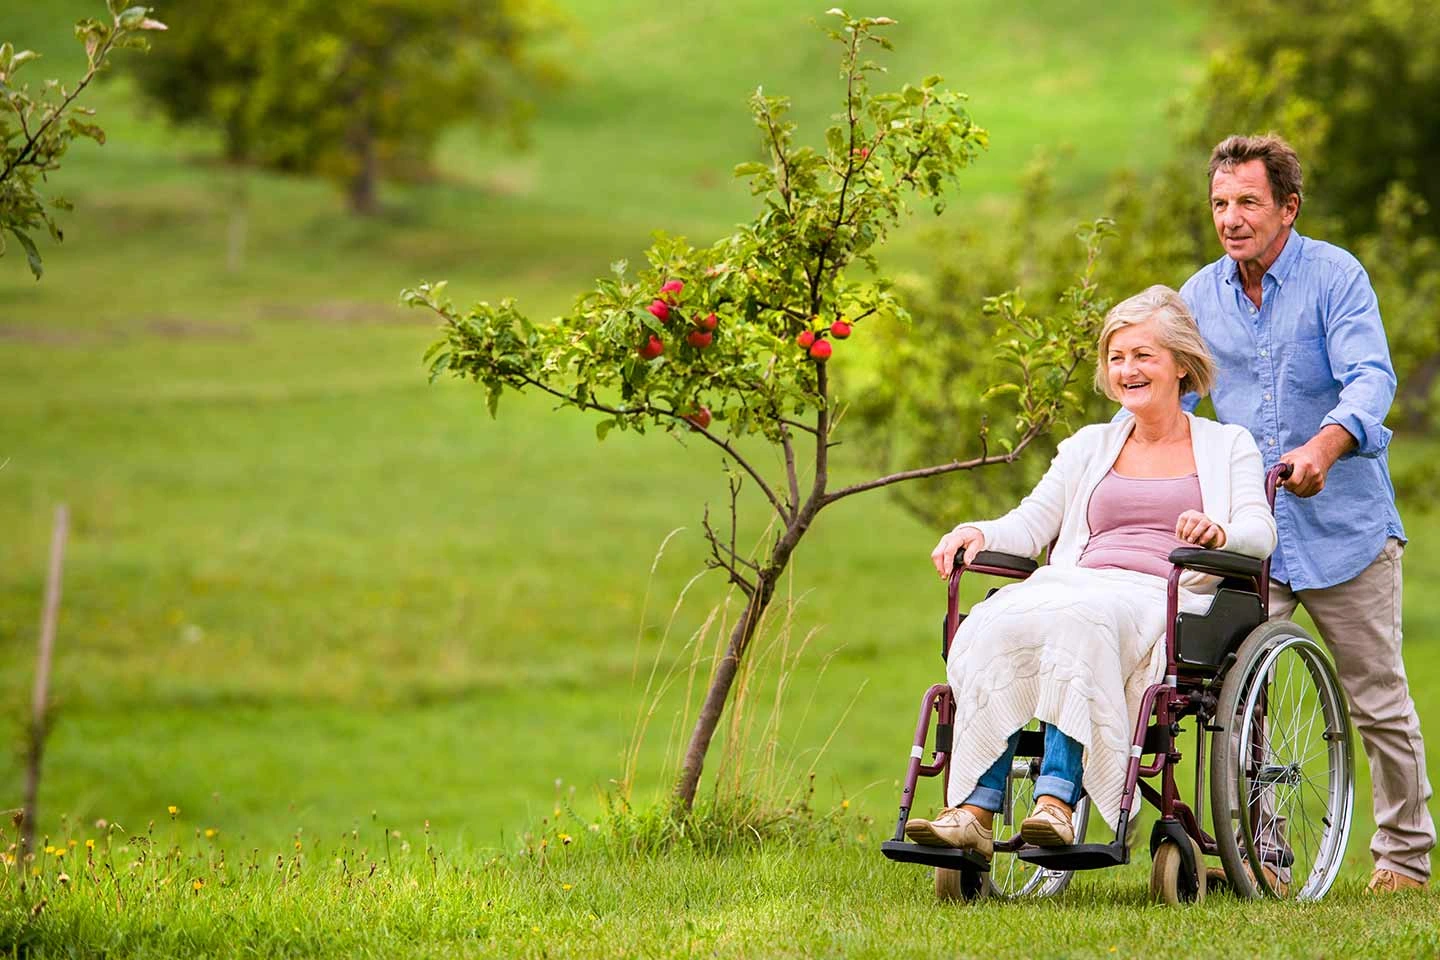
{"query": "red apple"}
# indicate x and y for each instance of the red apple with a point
(660, 310)
(806, 338)
(700, 418)
(820, 350)
(699, 339)
(840, 329)
(652, 348)
(670, 290)
(707, 323)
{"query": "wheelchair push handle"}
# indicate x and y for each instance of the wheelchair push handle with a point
(1273, 478)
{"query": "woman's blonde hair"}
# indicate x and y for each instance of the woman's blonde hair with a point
(1177, 333)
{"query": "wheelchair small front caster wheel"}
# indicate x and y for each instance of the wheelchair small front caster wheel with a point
(1170, 881)
(963, 885)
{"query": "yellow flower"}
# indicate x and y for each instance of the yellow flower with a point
(298, 845)
(544, 844)
(535, 929)
(90, 844)
(197, 885)
(173, 809)
(565, 838)
(73, 842)
(49, 849)
(844, 804)
(60, 853)
(567, 886)
(210, 833)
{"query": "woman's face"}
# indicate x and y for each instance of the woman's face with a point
(1143, 374)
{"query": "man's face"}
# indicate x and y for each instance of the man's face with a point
(1250, 224)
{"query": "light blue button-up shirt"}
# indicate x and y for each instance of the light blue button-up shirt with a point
(1313, 353)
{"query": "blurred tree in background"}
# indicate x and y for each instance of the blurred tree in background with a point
(350, 91)
(37, 129)
(1355, 87)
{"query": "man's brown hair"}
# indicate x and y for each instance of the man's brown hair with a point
(1282, 165)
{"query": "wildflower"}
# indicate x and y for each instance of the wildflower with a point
(210, 833)
(557, 813)
(566, 839)
(62, 878)
(298, 845)
(49, 848)
(844, 804)
(101, 824)
(60, 853)
(544, 843)
(197, 885)
(173, 809)
(90, 844)
(73, 842)
(567, 886)
(535, 929)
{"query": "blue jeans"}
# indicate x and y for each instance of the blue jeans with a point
(1059, 772)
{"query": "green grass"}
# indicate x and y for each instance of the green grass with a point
(306, 591)
(350, 896)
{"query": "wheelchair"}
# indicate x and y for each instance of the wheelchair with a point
(1263, 697)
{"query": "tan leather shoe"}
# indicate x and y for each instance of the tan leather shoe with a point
(953, 827)
(1216, 880)
(1048, 825)
(1388, 881)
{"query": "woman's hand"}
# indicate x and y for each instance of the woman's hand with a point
(1194, 527)
(967, 539)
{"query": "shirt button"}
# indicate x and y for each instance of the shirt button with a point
(1252, 311)
(1267, 396)
(1264, 353)
(1270, 440)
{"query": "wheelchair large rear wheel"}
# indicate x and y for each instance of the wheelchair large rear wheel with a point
(1282, 767)
(1010, 877)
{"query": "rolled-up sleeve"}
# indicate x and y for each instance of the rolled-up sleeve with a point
(1360, 362)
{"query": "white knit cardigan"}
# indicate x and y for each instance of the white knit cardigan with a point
(1232, 493)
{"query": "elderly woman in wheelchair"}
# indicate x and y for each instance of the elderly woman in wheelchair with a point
(1082, 643)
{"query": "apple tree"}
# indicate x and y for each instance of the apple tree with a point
(37, 127)
(733, 343)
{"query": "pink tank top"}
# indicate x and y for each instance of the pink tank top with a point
(1132, 522)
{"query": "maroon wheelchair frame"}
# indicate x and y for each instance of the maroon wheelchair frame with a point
(1165, 703)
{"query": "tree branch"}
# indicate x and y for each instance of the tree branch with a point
(790, 467)
(984, 460)
(20, 158)
(725, 445)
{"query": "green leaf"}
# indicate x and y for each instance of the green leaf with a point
(492, 401)
(603, 428)
(750, 169)
(31, 253)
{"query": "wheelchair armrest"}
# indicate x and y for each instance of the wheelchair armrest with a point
(999, 564)
(1221, 563)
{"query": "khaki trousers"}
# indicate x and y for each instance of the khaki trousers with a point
(1359, 620)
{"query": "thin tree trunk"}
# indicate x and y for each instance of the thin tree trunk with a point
(39, 717)
(724, 677)
(363, 187)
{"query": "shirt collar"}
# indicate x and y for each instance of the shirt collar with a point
(1279, 270)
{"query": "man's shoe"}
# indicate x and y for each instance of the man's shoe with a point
(1048, 826)
(1216, 880)
(953, 827)
(1388, 881)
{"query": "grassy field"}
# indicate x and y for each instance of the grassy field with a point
(307, 592)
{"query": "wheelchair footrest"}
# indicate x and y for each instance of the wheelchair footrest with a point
(1080, 856)
(902, 851)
